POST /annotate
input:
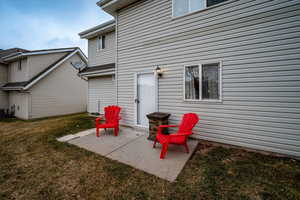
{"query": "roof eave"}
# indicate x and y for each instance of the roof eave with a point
(100, 31)
(97, 74)
(12, 88)
(111, 6)
(13, 57)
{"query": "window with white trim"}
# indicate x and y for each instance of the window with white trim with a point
(183, 7)
(101, 42)
(202, 82)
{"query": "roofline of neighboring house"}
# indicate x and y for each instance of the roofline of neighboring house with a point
(101, 70)
(106, 27)
(10, 51)
(52, 67)
(97, 74)
(18, 55)
(111, 6)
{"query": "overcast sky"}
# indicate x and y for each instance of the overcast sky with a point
(43, 24)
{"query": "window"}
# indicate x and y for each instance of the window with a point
(101, 42)
(202, 82)
(20, 65)
(192, 82)
(182, 7)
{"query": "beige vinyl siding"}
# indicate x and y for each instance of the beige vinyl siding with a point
(60, 92)
(3, 80)
(258, 43)
(101, 93)
(38, 63)
(20, 101)
(16, 75)
(102, 56)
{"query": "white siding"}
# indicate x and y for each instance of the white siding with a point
(101, 93)
(60, 92)
(258, 43)
(38, 63)
(17, 75)
(102, 56)
(3, 80)
(20, 101)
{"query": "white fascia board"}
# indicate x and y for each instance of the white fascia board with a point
(106, 29)
(112, 6)
(96, 75)
(37, 53)
(82, 55)
(47, 52)
(50, 70)
(98, 72)
(12, 88)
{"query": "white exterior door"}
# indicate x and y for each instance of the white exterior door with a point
(145, 97)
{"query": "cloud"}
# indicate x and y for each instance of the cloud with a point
(34, 30)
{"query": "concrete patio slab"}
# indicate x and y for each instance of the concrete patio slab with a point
(106, 143)
(66, 138)
(132, 148)
(85, 133)
(141, 155)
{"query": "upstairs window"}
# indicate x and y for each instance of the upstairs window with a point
(101, 42)
(183, 7)
(20, 65)
(202, 82)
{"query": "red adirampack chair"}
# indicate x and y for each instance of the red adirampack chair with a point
(188, 122)
(112, 117)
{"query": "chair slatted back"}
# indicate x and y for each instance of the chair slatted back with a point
(112, 114)
(188, 122)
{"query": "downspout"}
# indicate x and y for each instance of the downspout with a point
(116, 57)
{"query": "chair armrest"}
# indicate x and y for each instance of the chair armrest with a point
(159, 130)
(98, 120)
(166, 126)
(180, 134)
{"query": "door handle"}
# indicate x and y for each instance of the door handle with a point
(136, 100)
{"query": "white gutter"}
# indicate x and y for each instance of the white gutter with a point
(102, 30)
(102, 74)
(8, 58)
(11, 88)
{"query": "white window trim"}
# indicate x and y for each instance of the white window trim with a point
(200, 82)
(99, 43)
(200, 10)
(189, 11)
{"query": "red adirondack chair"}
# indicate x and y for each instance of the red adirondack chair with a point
(188, 122)
(112, 117)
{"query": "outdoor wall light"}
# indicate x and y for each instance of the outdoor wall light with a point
(159, 71)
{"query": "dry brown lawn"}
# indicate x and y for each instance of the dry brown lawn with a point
(33, 165)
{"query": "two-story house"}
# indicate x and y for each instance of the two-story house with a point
(43, 83)
(100, 72)
(233, 62)
(4, 75)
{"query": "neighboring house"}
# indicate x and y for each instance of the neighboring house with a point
(235, 63)
(101, 66)
(4, 75)
(43, 83)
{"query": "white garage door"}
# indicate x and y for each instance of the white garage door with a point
(101, 93)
